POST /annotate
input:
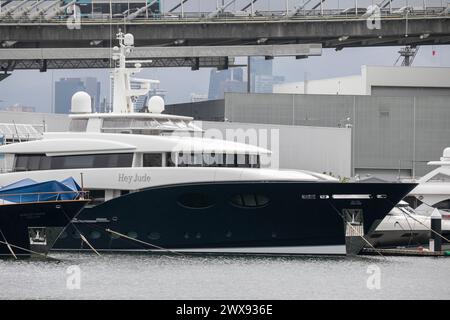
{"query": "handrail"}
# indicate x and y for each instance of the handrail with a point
(259, 16)
(41, 196)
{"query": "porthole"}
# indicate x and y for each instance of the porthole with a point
(154, 235)
(95, 235)
(249, 200)
(132, 234)
(198, 235)
(228, 234)
(186, 235)
(195, 201)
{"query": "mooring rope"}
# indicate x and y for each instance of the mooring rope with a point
(411, 234)
(121, 236)
(429, 229)
(8, 245)
(83, 238)
(30, 251)
(143, 242)
(426, 227)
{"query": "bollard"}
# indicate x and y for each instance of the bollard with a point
(436, 227)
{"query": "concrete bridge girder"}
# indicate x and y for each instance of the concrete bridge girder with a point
(230, 33)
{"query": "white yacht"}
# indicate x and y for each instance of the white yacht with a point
(433, 190)
(156, 183)
(408, 224)
(403, 227)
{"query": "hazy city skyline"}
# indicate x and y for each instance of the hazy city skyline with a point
(180, 83)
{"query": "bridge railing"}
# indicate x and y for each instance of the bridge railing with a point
(308, 14)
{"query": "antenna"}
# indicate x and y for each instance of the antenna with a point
(123, 94)
(408, 54)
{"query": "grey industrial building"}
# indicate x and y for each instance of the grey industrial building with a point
(392, 137)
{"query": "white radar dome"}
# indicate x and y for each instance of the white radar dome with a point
(156, 104)
(81, 103)
(128, 39)
(446, 154)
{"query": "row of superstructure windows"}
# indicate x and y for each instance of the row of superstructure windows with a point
(217, 160)
(32, 162)
(200, 160)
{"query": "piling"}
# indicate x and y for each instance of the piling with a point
(436, 229)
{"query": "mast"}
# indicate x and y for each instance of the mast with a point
(123, 94)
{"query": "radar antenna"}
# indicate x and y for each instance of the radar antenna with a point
(408, 54)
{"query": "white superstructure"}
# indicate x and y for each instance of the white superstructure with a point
(115, 153)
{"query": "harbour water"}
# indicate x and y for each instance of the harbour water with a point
(145, 276)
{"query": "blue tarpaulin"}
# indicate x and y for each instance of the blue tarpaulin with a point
(17, 184)
(24, 191)
(71, 183)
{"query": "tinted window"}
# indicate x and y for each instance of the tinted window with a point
(77, 162)
(43, 162)
(443, 205)
(216, 160)
(413, 201)
(152, 160)
(21, 163)
(249, 200)
(169, 160)
(78, 125)
(195, 201)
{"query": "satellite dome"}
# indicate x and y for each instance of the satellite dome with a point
(156, 104)
(81, 103)
(128, 39)
(446, 154)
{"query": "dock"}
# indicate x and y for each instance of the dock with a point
(405, 252)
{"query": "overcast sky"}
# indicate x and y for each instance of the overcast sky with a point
(32, 88)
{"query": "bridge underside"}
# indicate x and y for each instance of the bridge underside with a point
(168, 36)
(220, 57)
(331, 33)
(47, 64)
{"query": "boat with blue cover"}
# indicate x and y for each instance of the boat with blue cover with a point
(33, 214)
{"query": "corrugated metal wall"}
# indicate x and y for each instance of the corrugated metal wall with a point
(390, 134)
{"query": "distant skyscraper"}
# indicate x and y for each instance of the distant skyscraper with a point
(230, 80)
(66, 87)
(141, 102)
(19, 108)
(262, 78)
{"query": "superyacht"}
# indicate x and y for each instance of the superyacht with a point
(157, 184)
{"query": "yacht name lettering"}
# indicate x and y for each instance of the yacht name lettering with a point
(126, 178)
